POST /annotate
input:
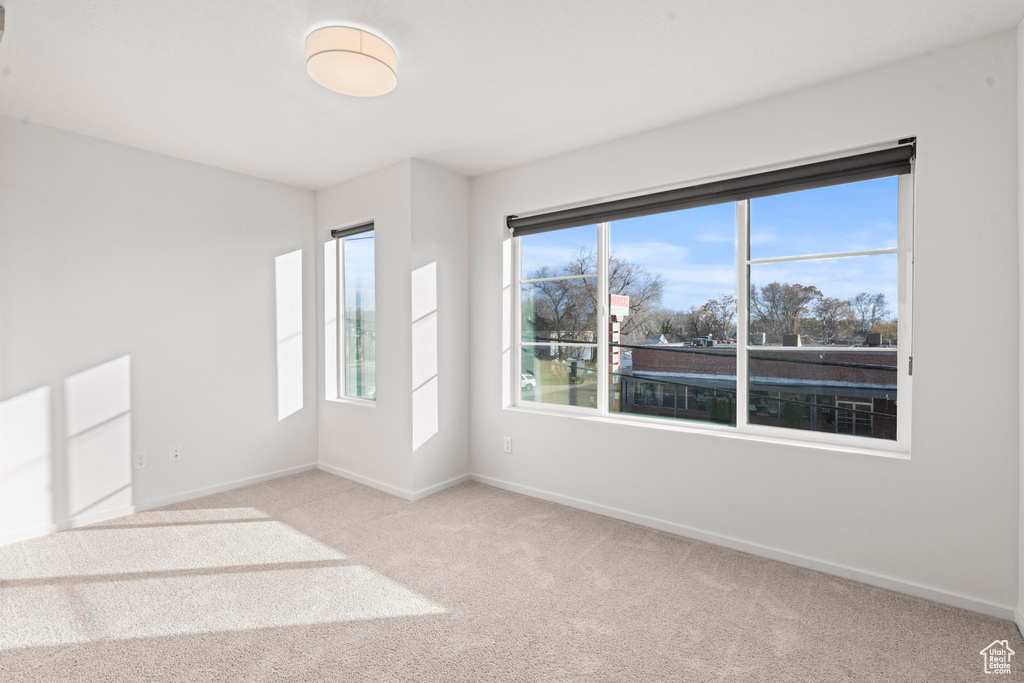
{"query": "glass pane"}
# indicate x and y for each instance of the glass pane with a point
(360, 318)
(563, 375)
(843, 301)
(672, 282)
(681, 383)
(572, 251)
(834, 390)
(828, 220)
(842, 314)
(564, 310)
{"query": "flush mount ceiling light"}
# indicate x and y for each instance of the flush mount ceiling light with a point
(351, 61)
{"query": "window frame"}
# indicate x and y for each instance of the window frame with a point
(341, 383)
(900, 447)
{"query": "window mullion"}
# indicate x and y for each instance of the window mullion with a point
(517, 321)
(742, 309)
(603, 328)
(339, 313)
(905, 308)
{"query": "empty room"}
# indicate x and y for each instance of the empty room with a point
(699, 352)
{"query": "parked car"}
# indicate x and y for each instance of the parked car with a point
(529, 383)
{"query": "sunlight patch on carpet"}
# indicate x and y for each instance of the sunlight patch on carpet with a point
(178, 605)
(127, 550)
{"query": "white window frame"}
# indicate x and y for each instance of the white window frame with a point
(339, 327)
(743, 428)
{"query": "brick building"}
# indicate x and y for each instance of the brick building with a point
(840, 390)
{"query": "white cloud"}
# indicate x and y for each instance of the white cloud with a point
(651, 254)
(716, 237)
(555, 258)
(842, 278)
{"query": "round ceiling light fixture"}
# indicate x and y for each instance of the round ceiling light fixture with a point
(351, 61)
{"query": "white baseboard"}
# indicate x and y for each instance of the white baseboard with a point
(437, 488)
(393, 490)
(113, 513)
(1018, 618)
(861, 575)
(366, 481)
(219, 488)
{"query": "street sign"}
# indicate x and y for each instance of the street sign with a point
(619, 305)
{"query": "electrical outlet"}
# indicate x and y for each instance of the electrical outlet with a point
(508, 444)
(175, 452)
(140, 460)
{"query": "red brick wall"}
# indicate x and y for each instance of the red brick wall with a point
(723, 362)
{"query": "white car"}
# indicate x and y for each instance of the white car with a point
(529, 383)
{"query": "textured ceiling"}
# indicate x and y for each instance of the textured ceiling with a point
(483, 84)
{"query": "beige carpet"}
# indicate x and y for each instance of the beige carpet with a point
(312, 577)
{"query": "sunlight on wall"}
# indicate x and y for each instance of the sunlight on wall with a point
(288, 269)
(98, 427)
(424, 354)
(26, 473)
(506, 324)
(331, 319)
(424, 413)
(223, 601)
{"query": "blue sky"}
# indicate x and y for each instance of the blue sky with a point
(695, 252)
(358, 270)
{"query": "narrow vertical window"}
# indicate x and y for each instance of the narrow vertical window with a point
(354, 342)
(360, 317)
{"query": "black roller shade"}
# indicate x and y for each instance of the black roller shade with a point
(886, 162)
(354, 230)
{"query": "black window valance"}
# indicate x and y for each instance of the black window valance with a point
(867, 166)
(354, 230)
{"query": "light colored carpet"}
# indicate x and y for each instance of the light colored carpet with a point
(312, 577)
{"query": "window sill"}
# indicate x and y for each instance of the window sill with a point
(362, 402)
(894, 451)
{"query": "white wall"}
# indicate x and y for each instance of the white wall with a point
(1019, 616)
(137, 310)
(415, 438)
(372, 443)
(440, 265)
(941, 524)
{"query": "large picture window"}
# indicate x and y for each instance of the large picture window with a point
(781, 310)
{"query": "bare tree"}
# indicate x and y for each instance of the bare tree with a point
(868, 310)
(834, 316)
(669, 322)
(560, 309)
(889, 329)
(716, 318)
(568, 307)
(776, 308)
(644, 290)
